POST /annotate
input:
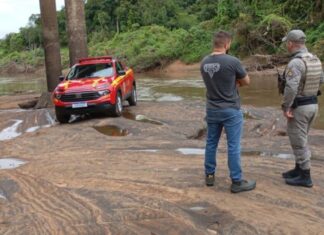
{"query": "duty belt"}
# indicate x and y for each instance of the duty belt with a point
(300, 101)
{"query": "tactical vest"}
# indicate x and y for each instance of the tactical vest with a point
(310, 83)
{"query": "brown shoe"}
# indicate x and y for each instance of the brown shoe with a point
(210, 180)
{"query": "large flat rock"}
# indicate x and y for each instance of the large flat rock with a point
(80, 181)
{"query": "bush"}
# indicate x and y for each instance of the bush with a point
(315, 40)
(270, 32)
(263, 38)
(147, 47)
(32, 58)
(198, 43)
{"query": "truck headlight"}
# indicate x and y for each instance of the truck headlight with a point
(104, 93)
(57, 96)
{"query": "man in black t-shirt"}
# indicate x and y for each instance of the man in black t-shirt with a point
(222, 75)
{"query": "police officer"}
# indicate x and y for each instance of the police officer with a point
(303, 76)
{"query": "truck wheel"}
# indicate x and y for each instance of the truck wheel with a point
(132, 100)
(118, 106)
(62, 117)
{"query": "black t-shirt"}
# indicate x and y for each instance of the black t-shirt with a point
(220, 73)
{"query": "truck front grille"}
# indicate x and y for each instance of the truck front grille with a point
(76, 97)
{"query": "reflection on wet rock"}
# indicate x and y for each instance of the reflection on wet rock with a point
(141, 118)
(10, 163)
(111, 130)
(14, 124)
(11, 131)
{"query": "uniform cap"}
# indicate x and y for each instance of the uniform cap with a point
(295, 35)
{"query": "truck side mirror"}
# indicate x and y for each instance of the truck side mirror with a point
(121, 73)
(61, 78)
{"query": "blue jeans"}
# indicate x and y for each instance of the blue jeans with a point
(232, 121)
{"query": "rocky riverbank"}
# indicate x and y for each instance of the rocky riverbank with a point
(143, 174)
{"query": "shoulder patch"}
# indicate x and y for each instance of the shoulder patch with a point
(293, 73)
(289, 73)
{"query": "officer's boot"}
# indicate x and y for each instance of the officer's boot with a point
(292, 173)
(304, 179)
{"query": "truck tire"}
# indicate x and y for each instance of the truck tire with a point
(62, 117)
(118, 106)
(132, 100)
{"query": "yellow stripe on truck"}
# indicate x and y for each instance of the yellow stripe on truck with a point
(95, 82)
(118, 79)
(66, 85)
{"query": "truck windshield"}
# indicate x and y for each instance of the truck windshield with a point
(90, 71)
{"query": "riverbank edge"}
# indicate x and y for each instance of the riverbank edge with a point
(253, 64)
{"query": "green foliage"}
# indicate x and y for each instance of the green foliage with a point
(315, 34)
(147, 12)
(298, 10)
(15, 42)
(315, 40)
(61, 19)
(31, 57)
(204, 9)
(197, 44)
(263, 37)
(183, 20)
(243, 40)
(31, 37)
(144, 48)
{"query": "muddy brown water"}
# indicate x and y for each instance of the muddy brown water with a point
(261, 93)
(21, 84)
(112, 130)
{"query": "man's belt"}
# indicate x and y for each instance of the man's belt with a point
(300, 101)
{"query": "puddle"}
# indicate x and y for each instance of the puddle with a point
(10, 163)
(141, 118)
(2, 196)
(169, 98)
(111, 130)
(11, 131)
(148, 150)
(191, 151)
(32, 129)
(13, 110)
(129, 115)
(145, 150)
(197, 208)
(277, 155)
(201, 151)
(269, 154)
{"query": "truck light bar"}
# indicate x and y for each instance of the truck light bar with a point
(96, 58)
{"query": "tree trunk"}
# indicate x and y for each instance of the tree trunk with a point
(51, 43)
(76, 27)
(45, 101)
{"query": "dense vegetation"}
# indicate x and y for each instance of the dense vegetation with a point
(148, 33)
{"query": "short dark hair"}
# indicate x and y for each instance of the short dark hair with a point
(221, 38)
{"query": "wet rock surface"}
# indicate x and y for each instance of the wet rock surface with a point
(80, 181)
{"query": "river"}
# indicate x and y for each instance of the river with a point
(262, 91)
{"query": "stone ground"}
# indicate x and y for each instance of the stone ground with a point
(77, 180)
